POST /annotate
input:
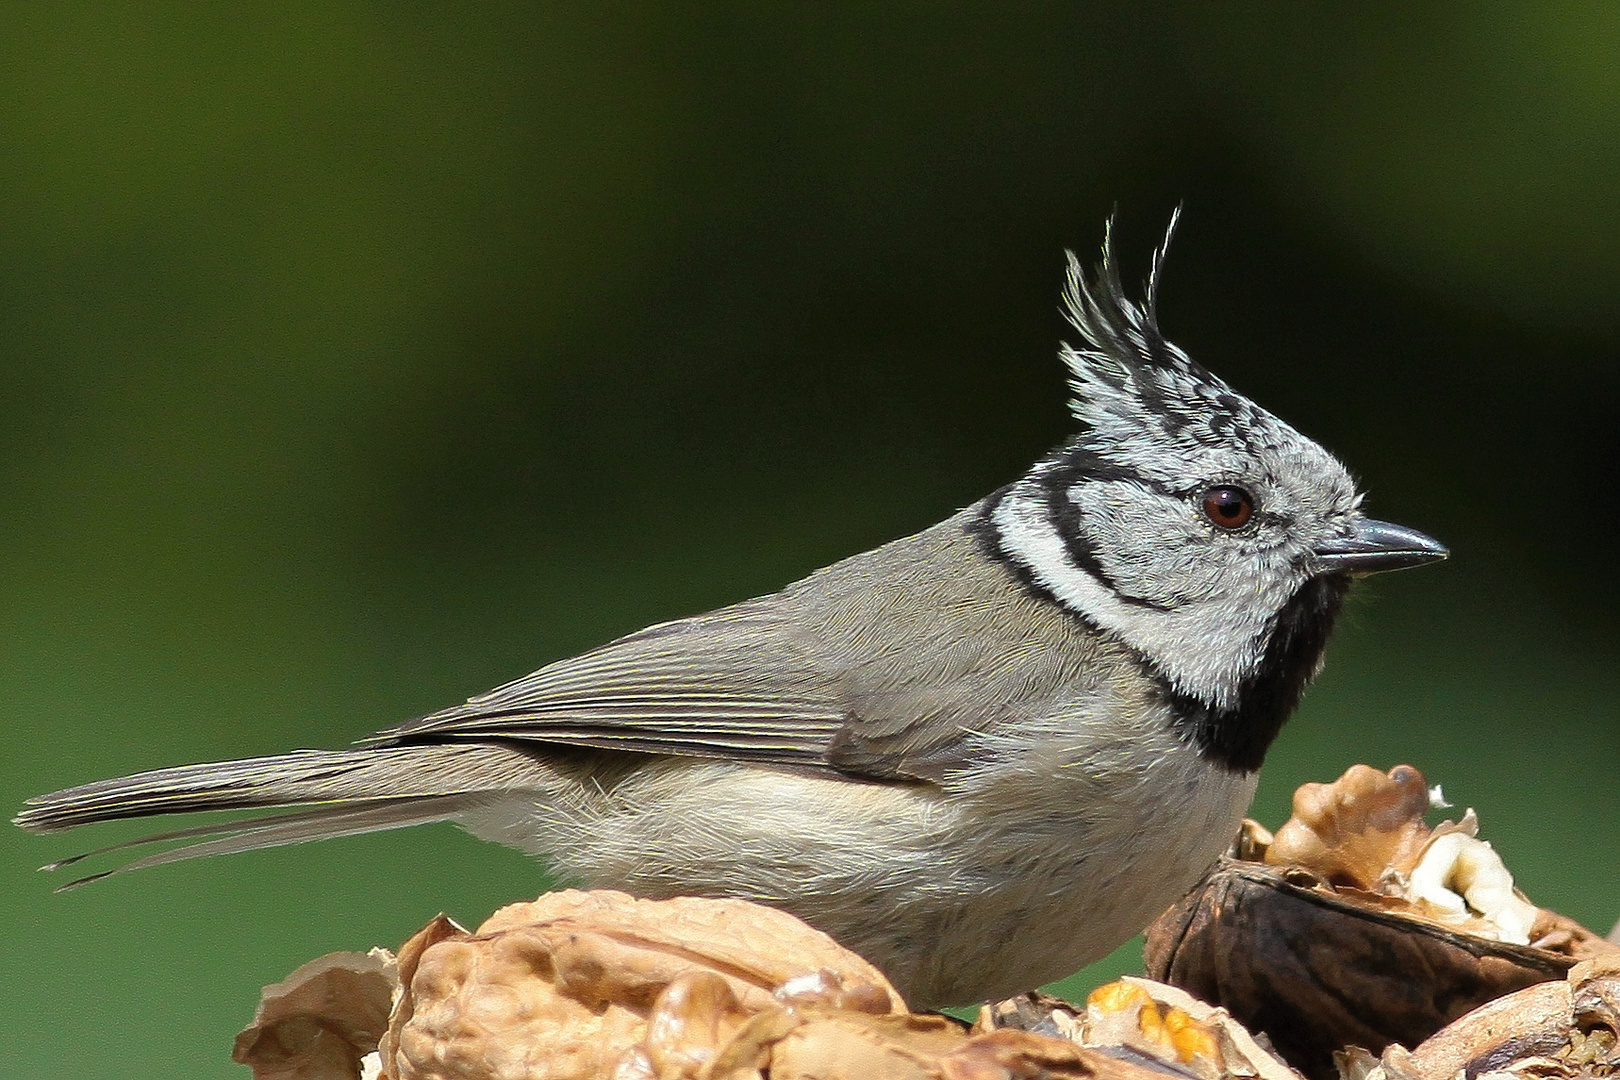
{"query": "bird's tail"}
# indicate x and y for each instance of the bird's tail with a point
(343, 792)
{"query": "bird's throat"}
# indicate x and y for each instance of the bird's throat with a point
(1237, 738)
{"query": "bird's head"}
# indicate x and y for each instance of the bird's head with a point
(1198, 528)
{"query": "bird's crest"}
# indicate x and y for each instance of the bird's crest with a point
(1129, 381)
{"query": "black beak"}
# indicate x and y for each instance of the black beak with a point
(1376, 546)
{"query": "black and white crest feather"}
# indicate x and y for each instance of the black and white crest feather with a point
(1118, 331)
(1134, 388)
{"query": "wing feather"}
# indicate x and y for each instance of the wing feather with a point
(891, 664)
(738, 682)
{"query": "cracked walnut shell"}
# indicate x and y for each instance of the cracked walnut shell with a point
(580, 984)
(1362, 926)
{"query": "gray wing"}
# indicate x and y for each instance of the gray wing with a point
(889, 664)
(739, 682)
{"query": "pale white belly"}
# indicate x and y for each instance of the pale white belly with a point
(1010, 877)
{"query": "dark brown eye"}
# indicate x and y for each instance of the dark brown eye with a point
(1227, 506)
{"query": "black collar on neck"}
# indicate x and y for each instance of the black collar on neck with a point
(1238, 738)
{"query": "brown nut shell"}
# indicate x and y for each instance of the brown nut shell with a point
(582, 985)
(320, 1021)
(1566, 1028)
(1317, 972)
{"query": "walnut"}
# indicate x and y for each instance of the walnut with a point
(1357, 829)
(1363, 926)
(583, 984)
(1365, 831)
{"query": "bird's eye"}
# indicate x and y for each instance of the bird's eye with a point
(1228, 507)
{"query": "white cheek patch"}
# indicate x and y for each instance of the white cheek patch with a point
(1027, 535)
(1204, 649)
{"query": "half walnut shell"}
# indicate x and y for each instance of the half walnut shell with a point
(1357, 924)
(1317, 971)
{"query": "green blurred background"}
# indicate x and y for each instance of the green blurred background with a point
(357, 357)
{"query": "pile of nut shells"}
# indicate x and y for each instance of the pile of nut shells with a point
(602, 986)
(1357, 943)
(1359, 926)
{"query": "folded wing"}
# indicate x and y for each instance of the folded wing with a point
(741, 682)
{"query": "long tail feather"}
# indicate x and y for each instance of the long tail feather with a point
(346, 792)
(296, 827)
(300, 778)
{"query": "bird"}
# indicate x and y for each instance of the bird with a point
(982, 756)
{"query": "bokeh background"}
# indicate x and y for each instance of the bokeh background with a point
(356, 357)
